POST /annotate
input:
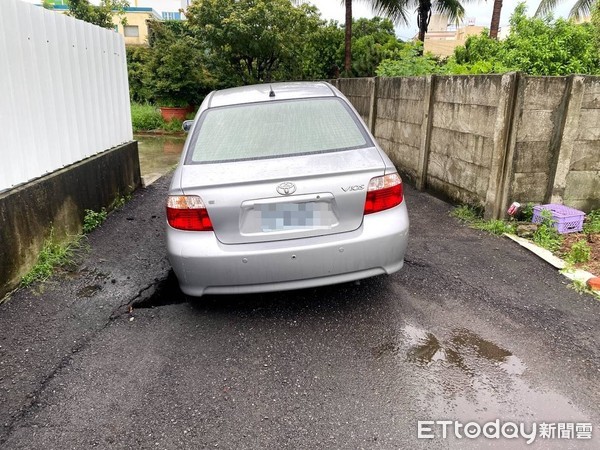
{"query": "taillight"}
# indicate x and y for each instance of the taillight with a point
(383, 193)
(188, 212)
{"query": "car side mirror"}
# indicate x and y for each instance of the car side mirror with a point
(187, 125)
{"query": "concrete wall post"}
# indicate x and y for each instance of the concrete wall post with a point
(570, 128)
(504, 123)
(374, 82)
(423, 167)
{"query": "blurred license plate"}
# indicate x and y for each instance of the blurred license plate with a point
(291, 216)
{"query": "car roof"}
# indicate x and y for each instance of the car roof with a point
(261, 93)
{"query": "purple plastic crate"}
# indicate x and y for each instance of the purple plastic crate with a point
(566, 220)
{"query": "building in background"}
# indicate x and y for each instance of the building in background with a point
(443, 37)
(135, 30)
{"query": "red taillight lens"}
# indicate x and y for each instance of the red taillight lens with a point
(188, 212)
(383, 193)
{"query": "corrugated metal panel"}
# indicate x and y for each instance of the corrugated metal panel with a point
(64, 94)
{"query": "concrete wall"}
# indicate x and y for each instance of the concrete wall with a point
(399, 120)
(57, 202)
(360, 92)
(462, 136)
(489, 140)
(583, 176)
(65, 99)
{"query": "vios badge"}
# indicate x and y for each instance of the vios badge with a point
(286, 188)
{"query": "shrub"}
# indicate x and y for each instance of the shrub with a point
(592, 222)
(580, 252)
(137, 72)
(145, 117)
(546, 235)
(93, 219)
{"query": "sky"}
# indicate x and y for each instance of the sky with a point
(478, 11)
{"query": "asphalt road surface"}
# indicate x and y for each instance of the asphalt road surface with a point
(472, 329)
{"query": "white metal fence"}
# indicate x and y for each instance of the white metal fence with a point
(64, 94)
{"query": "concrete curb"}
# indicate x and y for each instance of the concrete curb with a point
(579, 275)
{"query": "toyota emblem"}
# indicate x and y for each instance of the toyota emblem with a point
(286, 188)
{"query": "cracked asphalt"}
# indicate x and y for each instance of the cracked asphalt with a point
(473, 328)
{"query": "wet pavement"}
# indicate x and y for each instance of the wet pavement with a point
(473, 328)
(159, 154)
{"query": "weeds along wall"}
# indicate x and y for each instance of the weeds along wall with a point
(66, 143)
(65, 92)
(489, 140)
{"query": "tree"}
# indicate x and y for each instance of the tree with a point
(393, 9)
(580, 9)
(252, 41)
(373, 40)
(101, 15)
(348, 38)
(175, 72)
(322, 54)
(535, 46)
(495, 24)
(409, 61)
(452, 8)
(396, 10)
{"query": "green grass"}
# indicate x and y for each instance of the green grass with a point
(52, 256)
(145, 117)
(93, 219)
(119, 202)
(592, 222)
(465, 213)
(527, 212)
(580, 287)
(494, 226)
(173, 125)
(472, 217)
(546, 235)
(580, 252)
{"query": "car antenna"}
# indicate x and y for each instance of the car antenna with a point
(271, 92)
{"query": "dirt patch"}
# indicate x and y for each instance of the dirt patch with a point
(593, 240)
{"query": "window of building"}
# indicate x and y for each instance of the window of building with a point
(131, 31)
(167, 15)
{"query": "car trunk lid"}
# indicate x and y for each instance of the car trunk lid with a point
(284, 198)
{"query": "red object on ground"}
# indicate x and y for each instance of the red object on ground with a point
(169, 113)
(594, 283)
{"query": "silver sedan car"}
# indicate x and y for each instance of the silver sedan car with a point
(281, 186)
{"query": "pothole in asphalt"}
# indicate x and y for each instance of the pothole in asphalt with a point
(165, 292)
(89, 291)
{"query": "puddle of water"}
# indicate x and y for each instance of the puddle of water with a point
(158, 154)
(465, 377)
(426, 349)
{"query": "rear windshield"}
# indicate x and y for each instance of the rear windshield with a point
(275, 129)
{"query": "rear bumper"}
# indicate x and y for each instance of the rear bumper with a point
(204, 265)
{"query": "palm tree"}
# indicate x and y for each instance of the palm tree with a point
(580, 9)
(396, 10)
(495, 25)
(348, 38)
